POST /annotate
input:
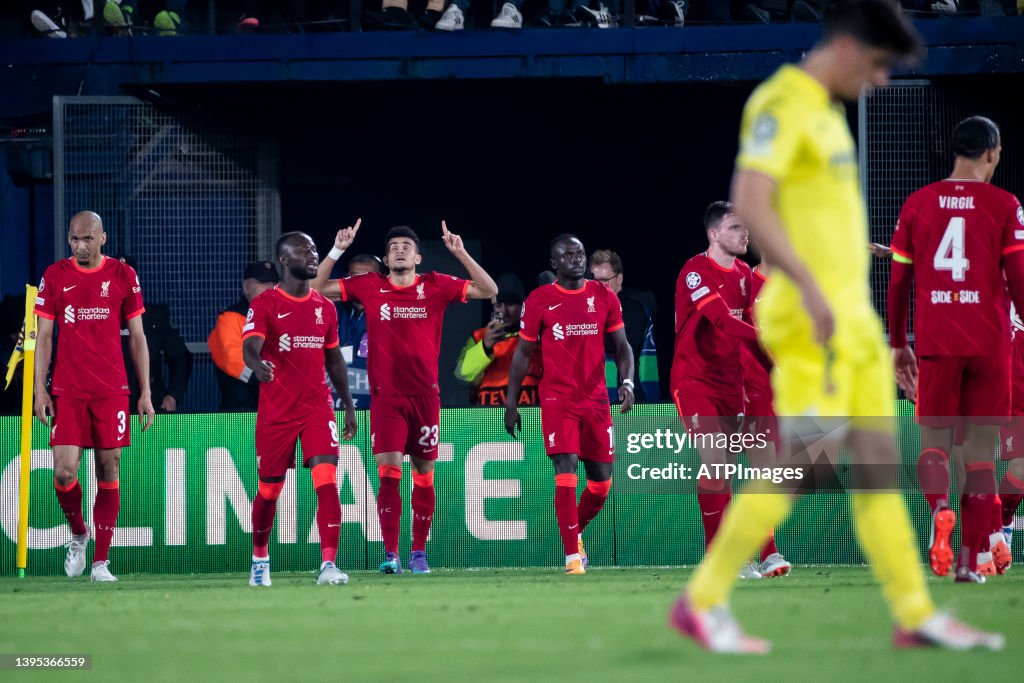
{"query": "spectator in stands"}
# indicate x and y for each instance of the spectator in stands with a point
(485, 359)
(166, 348)
(510, 15)
(52, 18)
(352, 335)
(638, 309)
(124, 14)
(394, 14)
(239, 389)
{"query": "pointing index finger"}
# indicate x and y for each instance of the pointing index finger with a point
(444, 228)
(355, 228)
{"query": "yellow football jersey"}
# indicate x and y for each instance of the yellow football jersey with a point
(794, 133)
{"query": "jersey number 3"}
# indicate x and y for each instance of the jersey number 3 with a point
(950, 254)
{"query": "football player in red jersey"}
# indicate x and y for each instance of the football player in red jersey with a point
(571, 318)
(714, 300)
(404, 315)
(1011, 489)
(959, 243)
(290, 336)
(86, 297)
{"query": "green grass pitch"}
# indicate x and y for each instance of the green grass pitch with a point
(827, 623)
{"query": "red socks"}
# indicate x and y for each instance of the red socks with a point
(104, 516)
(423, 501)
(976, 511)
(592, 501)
(1011, 492)
(769, 547)
(565, 512)
(713, 495)
(933, 475)
(389, 505)
(328, 509)
(70, 499)
(263, 509)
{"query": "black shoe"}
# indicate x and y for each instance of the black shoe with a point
(430, 18)
(803, 11)
(393, 18)
(755, 14)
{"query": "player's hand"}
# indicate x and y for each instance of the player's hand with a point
(627, 398)
(879, 250)
(350, 424)
(43, 406)
(451, 240)
(905, 366)
(346, 236)
(820, 312)
(169, 404)
(513, 421)
(264, 372)
(146, 412)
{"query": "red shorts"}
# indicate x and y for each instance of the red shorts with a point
(583, 427)
(275, 442)
(91, 422)
(700, 408)
(405, 424)
(975, 387)
(759, 418)
(1011, 438)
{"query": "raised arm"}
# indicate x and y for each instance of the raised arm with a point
(481, 285)
(323, 282)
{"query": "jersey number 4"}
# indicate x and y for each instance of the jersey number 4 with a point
(950, 254)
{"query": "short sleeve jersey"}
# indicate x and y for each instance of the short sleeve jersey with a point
(571, 325)
(954, 234)
(88, 307)
(295, 333)
(704, 352)
(794, 133)
(403, 328)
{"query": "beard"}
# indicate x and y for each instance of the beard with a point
(301, 273)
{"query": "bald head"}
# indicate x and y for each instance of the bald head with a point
(86, 239)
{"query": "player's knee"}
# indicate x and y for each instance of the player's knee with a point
(599, 488)
(270, 490)
(325, 474)
(564, 463)
(389, 472)
(566, 479)
(63, 479)
(423, 479)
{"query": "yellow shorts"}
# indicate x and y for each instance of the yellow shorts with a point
(852, 378)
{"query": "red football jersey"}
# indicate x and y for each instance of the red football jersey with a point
(756, 378)
(87, 307)
(703, 352)
(295, 333)
(571, 326)
(955, 233)
(403, 328)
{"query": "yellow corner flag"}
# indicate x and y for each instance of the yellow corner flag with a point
(26, 348)
(16, 356)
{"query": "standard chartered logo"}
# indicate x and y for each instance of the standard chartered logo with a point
(284, 343)
(69, 314)
(556, 330)
(385, 312)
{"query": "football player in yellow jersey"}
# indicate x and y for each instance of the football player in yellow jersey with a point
(796, 187)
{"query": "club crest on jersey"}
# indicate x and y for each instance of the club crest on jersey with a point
(693, 280)
(319, 312)
(42, 284)
(551, 439)
(419, 291)
(1009, 444)
(590, 305)
(248, 316)
(105, 288)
